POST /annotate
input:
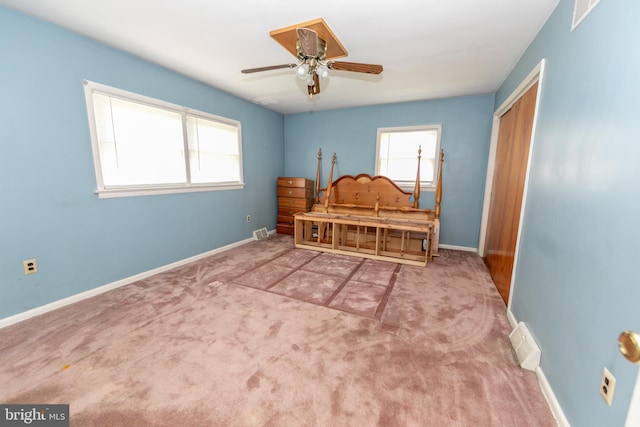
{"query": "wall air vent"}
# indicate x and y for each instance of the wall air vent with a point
(581, 10)
(525, 348)
(260, 234)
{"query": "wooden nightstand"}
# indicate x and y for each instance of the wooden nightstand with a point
(294, 195)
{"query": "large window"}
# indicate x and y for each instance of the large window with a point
(397, 155)
(139, 145)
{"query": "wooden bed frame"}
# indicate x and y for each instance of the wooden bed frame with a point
(371, 217)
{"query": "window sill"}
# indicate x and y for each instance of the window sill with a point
(110, 193)
(410, 188)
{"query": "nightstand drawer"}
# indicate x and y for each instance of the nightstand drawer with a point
(288, 212)
(295, 182)
(288, 202)
(285, 219)
(303, 193)
(285, 229)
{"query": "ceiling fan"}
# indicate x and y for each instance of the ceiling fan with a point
(315, 46)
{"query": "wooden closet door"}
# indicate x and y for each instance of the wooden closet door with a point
(512, 156)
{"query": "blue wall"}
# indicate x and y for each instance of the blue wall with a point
(48, 207)
(577, 283)
(351, 133)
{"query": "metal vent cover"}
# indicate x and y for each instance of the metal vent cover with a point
(581, 10)
(260, 234)
(525, 348)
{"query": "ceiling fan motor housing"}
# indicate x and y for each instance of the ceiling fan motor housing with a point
(320, 55)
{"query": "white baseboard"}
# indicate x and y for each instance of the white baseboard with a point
(633, 416)
(512, 319)
(7, 321)
(550, 396)
(545, 387)
(459, 248)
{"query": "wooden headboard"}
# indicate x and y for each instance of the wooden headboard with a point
(366, 190)
(372, 192)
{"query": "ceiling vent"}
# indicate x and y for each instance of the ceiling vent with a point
(581, 10)
(260, 234)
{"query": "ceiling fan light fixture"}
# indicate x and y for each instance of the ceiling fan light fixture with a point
(322, 71)
(309, 80)
(302, 71)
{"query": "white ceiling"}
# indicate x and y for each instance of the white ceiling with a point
(429, 48)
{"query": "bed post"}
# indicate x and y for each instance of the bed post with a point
(439, 187)
(416, 189)
(435, 239)
(328, 195)
(318, 176)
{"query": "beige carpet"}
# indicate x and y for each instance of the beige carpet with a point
(354, 285)
(224, 342)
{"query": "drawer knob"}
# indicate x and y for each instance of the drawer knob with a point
(290, 191)
(290, 202)
(289, 182)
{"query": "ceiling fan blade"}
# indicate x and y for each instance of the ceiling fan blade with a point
(269, 68)
(315, 89)
(308, 40)
(355, 66)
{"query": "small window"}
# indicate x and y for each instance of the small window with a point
(139, 146)
(397, 155)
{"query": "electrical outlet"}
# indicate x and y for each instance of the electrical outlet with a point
(30, 266)
(607, 386)
(248, 218)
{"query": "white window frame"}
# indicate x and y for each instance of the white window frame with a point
(425, 184)
(141, 190)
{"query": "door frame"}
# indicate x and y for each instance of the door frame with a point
(633, 416)
(536, 75)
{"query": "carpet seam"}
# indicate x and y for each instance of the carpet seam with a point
(291, 272)
(343, 284)
(262, 264)
(387, 294)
